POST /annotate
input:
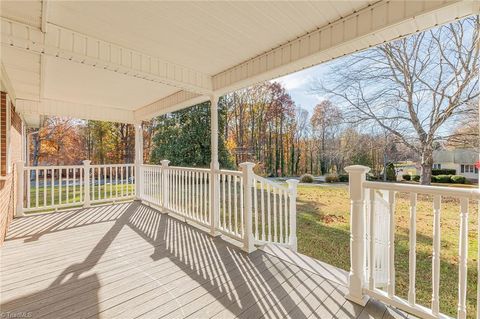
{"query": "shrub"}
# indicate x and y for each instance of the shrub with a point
(443, 171)
(416, 178)
(371, 177)
(443, 178)
(434, 179)
(306, 178)
(343, 178)
(458, 179)
(391, 174)
(331, 178)
(406, 177)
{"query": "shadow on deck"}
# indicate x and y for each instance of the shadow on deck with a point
(129, 260)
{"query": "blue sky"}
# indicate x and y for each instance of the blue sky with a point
(298, 85)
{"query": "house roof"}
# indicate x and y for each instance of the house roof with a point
(128, 60)
(458, 156)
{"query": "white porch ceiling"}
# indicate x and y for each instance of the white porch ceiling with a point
(148, 58)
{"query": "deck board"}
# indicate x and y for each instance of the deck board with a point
(130, 261)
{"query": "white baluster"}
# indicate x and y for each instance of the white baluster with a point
(436, 256)
(274, 193)
(255, 202)
(45, 187)
(463, 259)
(371, 263)
(269, 214)
(52, 187)
(391, 245)
(36, 187)
(262, 209)
(29, 186)
(412, 259)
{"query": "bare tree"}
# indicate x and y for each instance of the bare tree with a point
(413, 87)
(325, 122)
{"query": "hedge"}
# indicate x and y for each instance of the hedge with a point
(443, 171)
(343, 178)
(331, 178)
(458, 179)
(416, 178)
(306, 178)
(406, 177)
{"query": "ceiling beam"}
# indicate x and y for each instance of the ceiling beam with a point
(76, 47)
(384, 21)
(171, 103)
(74, 110)
(43, 26)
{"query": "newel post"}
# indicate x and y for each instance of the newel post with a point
(19, 166)
(292, 194)
(138, 159)
(165, 177)
(356, 277)
(86, 183)
(248, 240)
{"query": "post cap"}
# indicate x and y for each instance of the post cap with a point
(87, 162)
(357, 169)
(292, 181)
(165, 162)
(248, 165)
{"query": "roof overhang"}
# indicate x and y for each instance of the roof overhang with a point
(61, 64)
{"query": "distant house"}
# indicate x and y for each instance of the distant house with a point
(462, 160)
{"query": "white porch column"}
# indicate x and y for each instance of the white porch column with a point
(356, 277)
(214, 166)
(138, 157)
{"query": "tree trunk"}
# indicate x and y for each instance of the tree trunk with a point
(426, 164)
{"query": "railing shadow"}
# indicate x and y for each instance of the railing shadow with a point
(191, 273)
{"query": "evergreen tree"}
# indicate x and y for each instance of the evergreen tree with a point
(183, 137)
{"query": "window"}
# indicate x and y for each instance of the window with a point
(437, 166)
(468, 168)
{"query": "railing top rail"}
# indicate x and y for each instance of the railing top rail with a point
(51, 167)
(151, 165)
(473, 193)
(229, 172)
(267, 181)
(195, 169)
(111, 165)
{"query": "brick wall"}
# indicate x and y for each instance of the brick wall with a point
(7, 185)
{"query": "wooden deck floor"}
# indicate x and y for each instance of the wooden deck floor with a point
(130, 261)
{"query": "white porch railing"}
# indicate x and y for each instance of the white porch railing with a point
(372, 242)
(249, 208)
(237, 204)
(43, 188)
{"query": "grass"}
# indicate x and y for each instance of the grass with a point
(73, 195)
(323, 233)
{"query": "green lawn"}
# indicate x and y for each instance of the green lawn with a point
(323, 233)
(101, 192)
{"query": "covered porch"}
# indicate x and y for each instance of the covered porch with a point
(139, 240)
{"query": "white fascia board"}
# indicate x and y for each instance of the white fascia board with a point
(382, 22)
(174, 102)
(73, 46)
(74, 110)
